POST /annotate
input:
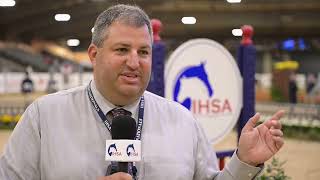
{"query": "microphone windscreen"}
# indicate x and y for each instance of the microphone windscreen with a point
(123, 127)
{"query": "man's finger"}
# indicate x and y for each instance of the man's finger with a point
(276, 132)
(251, 123)
(273, 124)
(278, 115)
(276, 124)
(278, 141)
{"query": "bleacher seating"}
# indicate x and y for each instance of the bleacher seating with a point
(10, 65)
(24, 58)
(23, 55)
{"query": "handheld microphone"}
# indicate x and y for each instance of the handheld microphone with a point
(123, 149)
(123, 127)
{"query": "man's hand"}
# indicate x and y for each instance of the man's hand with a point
(116, 176)
(258, 144)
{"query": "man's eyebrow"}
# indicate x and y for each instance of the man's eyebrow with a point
(121, 44)
(146, 46)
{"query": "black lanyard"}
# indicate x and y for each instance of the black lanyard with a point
(104, 117)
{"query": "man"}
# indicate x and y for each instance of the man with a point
(61, 136)
(26, 84)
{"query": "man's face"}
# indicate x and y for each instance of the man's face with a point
(122, 66)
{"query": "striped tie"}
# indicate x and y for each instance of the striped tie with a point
(117, 112)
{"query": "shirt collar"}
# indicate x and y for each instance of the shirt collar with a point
(106, 106)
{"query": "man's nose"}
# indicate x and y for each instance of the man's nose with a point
(133, 60)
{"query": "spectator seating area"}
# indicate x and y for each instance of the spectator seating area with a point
(18, 56)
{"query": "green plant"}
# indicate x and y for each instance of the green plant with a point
(274, 171)
(301, 132)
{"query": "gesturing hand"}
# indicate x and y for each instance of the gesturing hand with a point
(258, 144)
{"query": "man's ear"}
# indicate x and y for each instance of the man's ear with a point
(92, 53)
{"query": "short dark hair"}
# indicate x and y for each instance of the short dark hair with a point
(131, 15)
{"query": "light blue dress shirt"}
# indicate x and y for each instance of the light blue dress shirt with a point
(61, 137)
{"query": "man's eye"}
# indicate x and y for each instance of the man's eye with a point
(143, 52)
(122, 50)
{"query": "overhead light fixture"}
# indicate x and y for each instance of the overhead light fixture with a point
(73, 42)
(7, 3)
(62, 17)
(234, 1)
(237, 32)
(188, 20)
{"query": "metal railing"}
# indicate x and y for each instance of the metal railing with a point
(296, 114)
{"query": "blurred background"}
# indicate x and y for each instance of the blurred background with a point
(43, 47)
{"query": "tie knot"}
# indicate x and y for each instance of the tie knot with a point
(119, 111)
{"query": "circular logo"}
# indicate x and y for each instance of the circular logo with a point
(204, 77)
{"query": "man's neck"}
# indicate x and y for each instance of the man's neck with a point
(114, 99)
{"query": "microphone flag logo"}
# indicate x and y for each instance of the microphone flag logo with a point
(112, 150)
(123, 150)
(131, 151)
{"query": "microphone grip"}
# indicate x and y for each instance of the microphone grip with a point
(123, 167)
